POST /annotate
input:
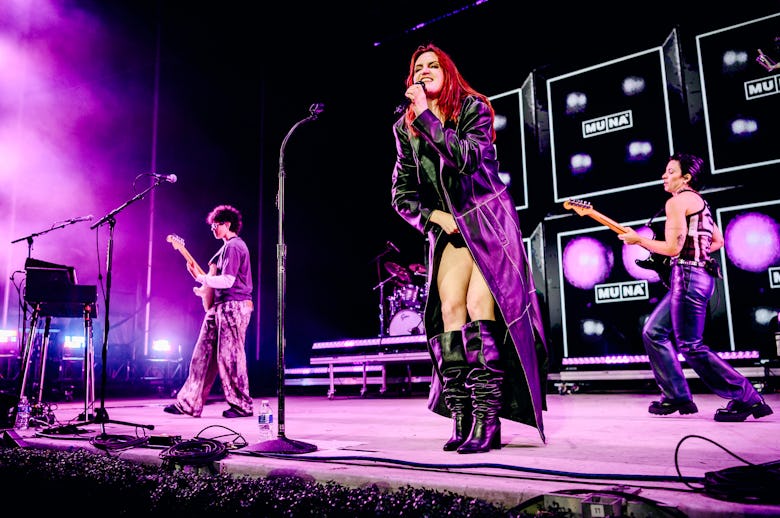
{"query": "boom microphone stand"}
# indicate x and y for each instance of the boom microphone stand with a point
(101, 415)
(282, 444)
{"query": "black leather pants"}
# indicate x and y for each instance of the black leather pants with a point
(678, 320)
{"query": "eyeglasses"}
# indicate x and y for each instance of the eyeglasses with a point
(216, 224)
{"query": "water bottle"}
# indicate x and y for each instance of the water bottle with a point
(23, 411)
(265, 421)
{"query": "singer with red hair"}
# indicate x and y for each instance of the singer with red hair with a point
(482, 317)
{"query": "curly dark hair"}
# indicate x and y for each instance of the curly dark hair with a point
(692, 165)
(226, 214)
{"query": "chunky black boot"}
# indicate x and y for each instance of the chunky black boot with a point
(484, 380)
(451, 358)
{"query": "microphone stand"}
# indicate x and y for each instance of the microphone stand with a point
(282, 444)
(101, 414)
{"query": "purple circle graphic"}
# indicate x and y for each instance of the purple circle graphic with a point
(587, 262)
(753, 241)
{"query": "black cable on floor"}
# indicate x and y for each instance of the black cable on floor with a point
(751, 484)
(571, 474)
(108, 442)
(194, 452)
(235, 439)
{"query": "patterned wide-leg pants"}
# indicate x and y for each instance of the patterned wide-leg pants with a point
(219, 350)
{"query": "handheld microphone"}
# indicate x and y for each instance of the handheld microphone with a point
(391, 246)
(170, 178)
(765, 61)
(81, 218)
(406, 102)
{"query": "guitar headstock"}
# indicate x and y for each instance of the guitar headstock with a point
(581, 207)
(176, 241)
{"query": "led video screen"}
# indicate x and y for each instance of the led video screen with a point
(751, 273)
(610, 126)
(741, 94)
(510, 144)
(606, 296)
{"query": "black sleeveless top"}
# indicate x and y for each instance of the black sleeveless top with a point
(699, 239)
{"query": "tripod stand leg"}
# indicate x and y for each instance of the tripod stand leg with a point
(44, 354)
(332, 387)
(89, 365)
(28, 347)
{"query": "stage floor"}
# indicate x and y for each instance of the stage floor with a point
(595, 442)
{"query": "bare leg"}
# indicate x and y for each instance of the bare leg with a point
(479, 300)
(455, 271)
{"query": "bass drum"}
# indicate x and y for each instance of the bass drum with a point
(406, 322)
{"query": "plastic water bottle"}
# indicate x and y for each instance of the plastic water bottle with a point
(23, 411)
(265, 421)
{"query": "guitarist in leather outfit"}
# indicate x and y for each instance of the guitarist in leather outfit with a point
(219, 349)
(677, 322)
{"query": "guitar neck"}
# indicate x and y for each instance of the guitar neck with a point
(607, 222)
(190, 259)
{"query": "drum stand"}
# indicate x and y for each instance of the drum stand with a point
(389, 246)
(382, 320)
(27, 357)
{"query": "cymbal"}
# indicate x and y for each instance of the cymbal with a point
(418, 268)
(398, 271)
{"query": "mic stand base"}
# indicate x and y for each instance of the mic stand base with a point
(89, 418)
(281, 445)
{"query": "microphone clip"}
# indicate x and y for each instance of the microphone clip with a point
(315, 110)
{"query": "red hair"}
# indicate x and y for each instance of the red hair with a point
(453, 91)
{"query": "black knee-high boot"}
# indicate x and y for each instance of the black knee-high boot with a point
(484, 380)
(451, 358)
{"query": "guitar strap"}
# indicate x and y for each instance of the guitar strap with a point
(650, 221)
(661, 264)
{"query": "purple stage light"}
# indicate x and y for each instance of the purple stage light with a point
(753, 241)
(587, 262)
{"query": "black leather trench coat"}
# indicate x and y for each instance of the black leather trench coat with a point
(454, 168)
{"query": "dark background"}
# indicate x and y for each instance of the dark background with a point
(225, 82)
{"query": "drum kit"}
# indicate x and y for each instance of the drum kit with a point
(407, 301)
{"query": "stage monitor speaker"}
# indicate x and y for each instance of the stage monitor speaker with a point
(11, 439)
(8, 403)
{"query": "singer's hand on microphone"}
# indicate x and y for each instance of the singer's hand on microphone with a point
(417, 97)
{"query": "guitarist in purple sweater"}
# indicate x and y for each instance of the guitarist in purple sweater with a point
(220, 346)
(677, 322)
